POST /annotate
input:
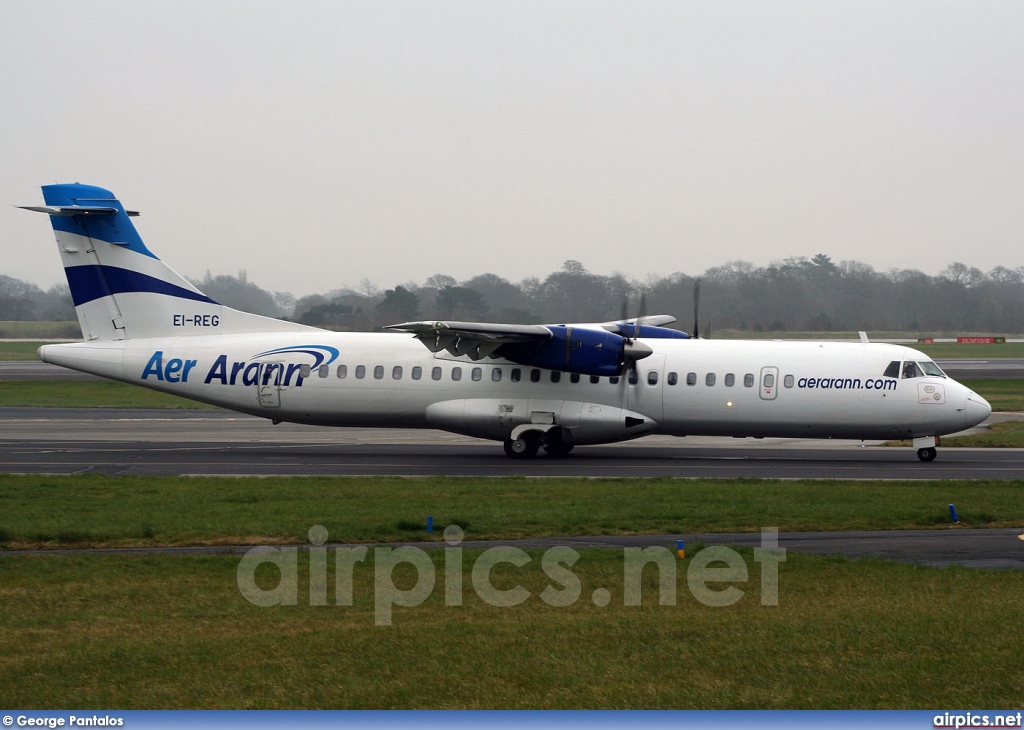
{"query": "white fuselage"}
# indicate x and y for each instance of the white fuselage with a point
(686, 387)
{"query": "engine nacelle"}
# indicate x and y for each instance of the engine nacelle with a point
(572, 350)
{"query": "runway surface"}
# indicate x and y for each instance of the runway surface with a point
(1000, 548)
(214, 442)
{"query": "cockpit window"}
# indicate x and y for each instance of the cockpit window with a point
(911, 370)
(931, 368)
(893, 371)
(918, 369)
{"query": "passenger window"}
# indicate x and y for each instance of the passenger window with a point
(556, 376)
(535, 376)
(769, 381)
(911, 370)
(304, 371)
(378, 372)
(595, 379)
(496, 375)
(360, 371)
(614, 379)
(691, 378)
(516, 374)
(417, 373)
(673, 378)
(476, 374)
(652, 377)
(574, 378)
(435, 374)
(456, 373)
(396, 372)
(893, 370)
(788, 381)
(323, 371)
(632, 378)
(730, 380)
(709, 379)
(748, 380)
(343, 371)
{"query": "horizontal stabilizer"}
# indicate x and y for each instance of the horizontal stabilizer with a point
(64, 210)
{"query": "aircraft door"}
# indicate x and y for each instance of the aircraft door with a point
(647, 396)
(269, 384)
(769, 382)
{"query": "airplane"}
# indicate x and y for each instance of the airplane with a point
(529, 387)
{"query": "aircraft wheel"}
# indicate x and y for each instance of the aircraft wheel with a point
(558, 442)
(558, 448)
(928, 454)
(524, 447)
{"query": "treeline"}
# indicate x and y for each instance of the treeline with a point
(797, 294)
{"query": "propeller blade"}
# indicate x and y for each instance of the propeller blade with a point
(640, 314)
(696, 308)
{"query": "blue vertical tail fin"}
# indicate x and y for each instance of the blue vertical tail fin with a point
(121, 290)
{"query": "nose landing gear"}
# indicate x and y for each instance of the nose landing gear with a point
(925, 446)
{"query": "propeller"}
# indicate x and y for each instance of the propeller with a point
(631, 349)
(696, 308)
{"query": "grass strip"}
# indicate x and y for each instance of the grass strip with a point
(1005, 395)
(87, 394)
(99, 510)
(21, 329)
(20, 351)
(955, 351)
(116, 632)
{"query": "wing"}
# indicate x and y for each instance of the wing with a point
(626, 327)
(475, 339)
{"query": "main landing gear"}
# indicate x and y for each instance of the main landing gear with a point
(928, 454)
(528, 443)
(524, 447)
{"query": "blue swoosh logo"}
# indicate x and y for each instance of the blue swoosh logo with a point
(320, 353)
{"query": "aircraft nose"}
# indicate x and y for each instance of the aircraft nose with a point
(977, 409)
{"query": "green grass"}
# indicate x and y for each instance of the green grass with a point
(109, 632)
(97, 510)
(1005, 395)
(20, 351)
(160, 631)
(86, 394)
(953, 351)
(43, 330)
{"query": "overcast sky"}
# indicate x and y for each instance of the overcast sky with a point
(317, 144)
